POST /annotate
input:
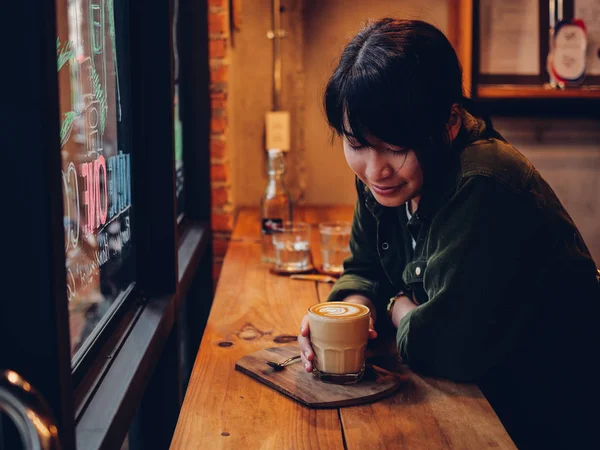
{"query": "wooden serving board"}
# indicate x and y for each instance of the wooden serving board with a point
(303, 387)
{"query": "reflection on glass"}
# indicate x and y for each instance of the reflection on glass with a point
(96, 168)
(178, 137)
(179, 182)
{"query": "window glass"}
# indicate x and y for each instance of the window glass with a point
(96, 166)
(178, 137)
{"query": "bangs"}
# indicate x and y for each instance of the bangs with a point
(397, 82)
(363, 105)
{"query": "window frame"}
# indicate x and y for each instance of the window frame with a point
(124, 383)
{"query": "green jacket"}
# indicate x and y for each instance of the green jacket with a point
(499, 271)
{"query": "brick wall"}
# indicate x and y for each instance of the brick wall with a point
(223, 207)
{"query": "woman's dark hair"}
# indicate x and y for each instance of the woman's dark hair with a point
(396, 80)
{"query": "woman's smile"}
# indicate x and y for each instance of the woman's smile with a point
(385, 190)
(393, 174)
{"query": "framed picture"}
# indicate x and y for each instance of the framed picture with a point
(512, 39)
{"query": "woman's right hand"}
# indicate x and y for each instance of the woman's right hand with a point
(306, 351)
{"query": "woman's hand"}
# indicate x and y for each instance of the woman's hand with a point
(401, 308)
(306, 350)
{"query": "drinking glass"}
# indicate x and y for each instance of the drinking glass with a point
(339, 332)
(292, 247)
(335, 245)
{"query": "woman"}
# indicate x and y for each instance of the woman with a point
(459, 242)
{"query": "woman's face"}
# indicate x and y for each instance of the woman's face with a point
(392, 173)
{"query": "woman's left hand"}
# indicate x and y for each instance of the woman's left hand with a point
(402, 306)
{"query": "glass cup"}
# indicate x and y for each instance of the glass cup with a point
(335, 245)
(292, 247)
(339, 332)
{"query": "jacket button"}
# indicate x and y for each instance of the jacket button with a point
(418, 271)
(385, 246)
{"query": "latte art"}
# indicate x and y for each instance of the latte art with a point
(339, 310)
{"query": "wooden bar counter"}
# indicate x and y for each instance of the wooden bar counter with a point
(254, 309)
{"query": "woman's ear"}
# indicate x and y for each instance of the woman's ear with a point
(454, 123)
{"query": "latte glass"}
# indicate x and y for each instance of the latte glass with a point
(339, 332)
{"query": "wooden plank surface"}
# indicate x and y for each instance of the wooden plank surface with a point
(460, 34)
(254, 310)
(323, 291)
(247, 226)
(425, 413)
(526, 92)
(296, 383)
(224, 408)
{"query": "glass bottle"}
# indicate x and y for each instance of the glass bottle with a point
(275, 204)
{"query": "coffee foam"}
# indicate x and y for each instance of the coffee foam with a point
(339, 310)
